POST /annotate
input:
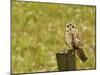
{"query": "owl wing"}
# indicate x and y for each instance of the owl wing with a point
(76, 41)
(78, 46)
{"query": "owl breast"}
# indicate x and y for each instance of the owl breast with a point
(68, 39)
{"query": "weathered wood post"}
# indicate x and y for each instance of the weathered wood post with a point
(66, 60)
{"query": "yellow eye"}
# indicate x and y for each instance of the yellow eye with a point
(72, 26)
(68, 26)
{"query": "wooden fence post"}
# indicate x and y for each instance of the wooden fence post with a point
(66, 60)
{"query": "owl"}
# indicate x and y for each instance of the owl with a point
(73, 40)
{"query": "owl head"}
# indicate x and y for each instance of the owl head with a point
(70, 27)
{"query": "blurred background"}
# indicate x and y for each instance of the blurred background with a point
(38, 34)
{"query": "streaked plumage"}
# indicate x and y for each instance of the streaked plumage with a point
(73, 40)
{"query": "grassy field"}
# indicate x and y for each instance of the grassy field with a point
(38, 33)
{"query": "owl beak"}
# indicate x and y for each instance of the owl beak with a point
(70, 28)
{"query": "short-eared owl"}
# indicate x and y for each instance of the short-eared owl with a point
(73, 40)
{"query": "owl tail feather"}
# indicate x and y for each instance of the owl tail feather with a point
(82, 56)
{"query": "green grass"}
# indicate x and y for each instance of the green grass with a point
(38, 33)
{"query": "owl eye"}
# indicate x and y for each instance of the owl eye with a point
(72, 26)
(68, 26)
